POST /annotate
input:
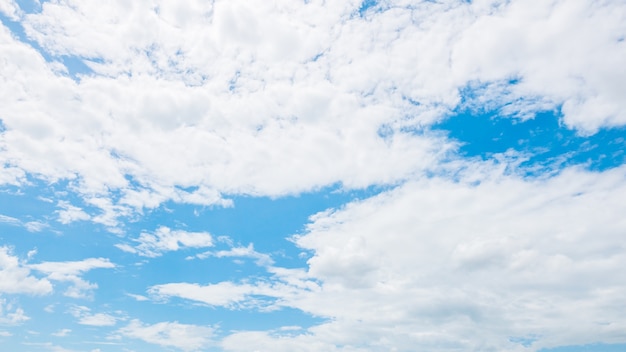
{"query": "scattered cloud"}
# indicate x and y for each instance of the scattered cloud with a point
(70, 213)
(262, 259)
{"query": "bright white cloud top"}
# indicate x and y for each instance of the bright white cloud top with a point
(312, 175)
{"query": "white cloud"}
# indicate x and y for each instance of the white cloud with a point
(9, 220)
(138, 298)
(85, 317)
(62, 332)
(10, 9)
(474, 265)
(30, 226)
(70, 213)
(70, 271)
(35, 226)
(220, 294)
(15, 276)
(170, 334)
(164, 240)
(5, 334)
(262, 259)
(579, 72)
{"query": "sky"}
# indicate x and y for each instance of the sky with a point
(346, 175)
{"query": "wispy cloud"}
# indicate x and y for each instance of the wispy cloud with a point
(170, 334)
(71, 271)
(165, 240)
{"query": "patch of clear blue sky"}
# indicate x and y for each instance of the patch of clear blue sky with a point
(265, 222)
(544, 140)
(365, 5)
(588, 348)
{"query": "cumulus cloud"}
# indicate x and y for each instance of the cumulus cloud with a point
(170, 334)
(71, 271)
(164, 240)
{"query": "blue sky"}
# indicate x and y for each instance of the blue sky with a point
(312, 176)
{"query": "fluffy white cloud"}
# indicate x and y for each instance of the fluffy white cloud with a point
(71, 271)
(468, 266)
(221, 294)
(165, 240)
(70, 213)
(15, 276)
(562, 52)
(170, 334)
(10, 9)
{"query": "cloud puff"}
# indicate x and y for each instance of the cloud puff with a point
(70, 213)
(85, 317)
(170, 334)
(165, 240)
